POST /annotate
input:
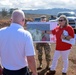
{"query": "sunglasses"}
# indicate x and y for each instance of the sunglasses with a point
(60, 20)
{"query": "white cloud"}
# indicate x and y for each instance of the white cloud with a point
(38, 4)
(5, 2)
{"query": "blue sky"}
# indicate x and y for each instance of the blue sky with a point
(37, 4)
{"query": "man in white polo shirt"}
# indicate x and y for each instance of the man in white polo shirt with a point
(16, 47)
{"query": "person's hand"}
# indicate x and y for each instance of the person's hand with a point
(34, 74)
(62, 36)
(1, 70)
(43, 32)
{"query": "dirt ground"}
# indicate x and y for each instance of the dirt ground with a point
(72, 58)
(72, 62)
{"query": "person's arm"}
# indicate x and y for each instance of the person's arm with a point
(49, 32)
(1, 69)
(68, 37)
(30, 52)
(31, 64)
(65, 37)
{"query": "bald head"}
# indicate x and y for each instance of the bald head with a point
(18, 16)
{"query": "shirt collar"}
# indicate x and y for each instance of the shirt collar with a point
(62, 27)
(16, 25)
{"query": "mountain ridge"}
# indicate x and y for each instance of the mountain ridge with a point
(53, 11)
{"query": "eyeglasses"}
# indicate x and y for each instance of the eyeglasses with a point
(60, 20)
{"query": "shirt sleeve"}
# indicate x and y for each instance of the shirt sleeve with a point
(54, 31)
(29, 47)
(71, 31)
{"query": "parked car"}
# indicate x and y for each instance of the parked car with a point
(71, 17)
(37, 19)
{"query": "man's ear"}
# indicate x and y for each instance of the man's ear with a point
(11, 19)
(23, 19)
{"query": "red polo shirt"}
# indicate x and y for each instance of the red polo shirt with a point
(62, 46)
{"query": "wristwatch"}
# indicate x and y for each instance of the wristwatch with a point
(65, 37)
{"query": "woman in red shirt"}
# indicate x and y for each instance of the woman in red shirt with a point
(66, 32)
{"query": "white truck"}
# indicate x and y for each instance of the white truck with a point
(71, 17)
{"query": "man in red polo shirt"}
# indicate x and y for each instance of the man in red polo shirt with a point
(62, 48)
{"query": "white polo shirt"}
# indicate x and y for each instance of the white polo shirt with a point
(15, 45)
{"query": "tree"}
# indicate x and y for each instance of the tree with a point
(11, 10)
(4, 12)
